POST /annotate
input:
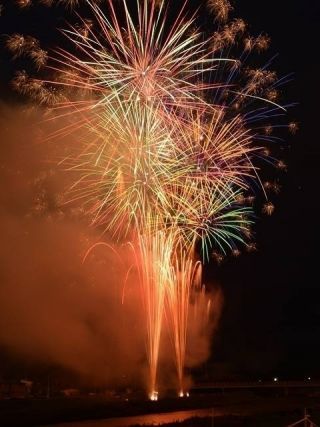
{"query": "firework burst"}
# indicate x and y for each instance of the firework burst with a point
(172, 133)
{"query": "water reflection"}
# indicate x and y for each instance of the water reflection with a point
(150, 419)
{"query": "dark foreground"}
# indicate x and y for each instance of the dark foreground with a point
(235, 421)
(232, 409)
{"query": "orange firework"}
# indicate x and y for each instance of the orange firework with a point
(169, 141)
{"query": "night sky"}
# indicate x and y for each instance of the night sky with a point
(271, 319)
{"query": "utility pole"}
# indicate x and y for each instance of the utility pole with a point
(305, 420)
(48, 387)
(212, 418)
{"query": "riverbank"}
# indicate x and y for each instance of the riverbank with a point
(37, 412)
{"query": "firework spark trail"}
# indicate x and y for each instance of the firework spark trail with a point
(155, 275)
(186, 275)
(171, 136)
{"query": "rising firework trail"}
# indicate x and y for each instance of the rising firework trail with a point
(171, 131)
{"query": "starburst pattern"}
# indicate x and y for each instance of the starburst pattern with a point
(172, 132)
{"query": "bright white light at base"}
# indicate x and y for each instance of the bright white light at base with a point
(154, 396)
(181, 394)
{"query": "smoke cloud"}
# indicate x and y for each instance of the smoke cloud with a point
(55, 308)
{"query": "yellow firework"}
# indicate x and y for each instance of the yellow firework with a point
(168, 140)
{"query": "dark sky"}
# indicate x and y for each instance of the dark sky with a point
(271, 319)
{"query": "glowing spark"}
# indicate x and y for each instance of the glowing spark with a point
(293, 127)
(39, 57)
(220, 8)
(23, 3)
(268, 208)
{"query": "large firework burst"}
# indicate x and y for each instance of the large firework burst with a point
(171, 132)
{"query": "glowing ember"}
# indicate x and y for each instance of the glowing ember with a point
(153, 396)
